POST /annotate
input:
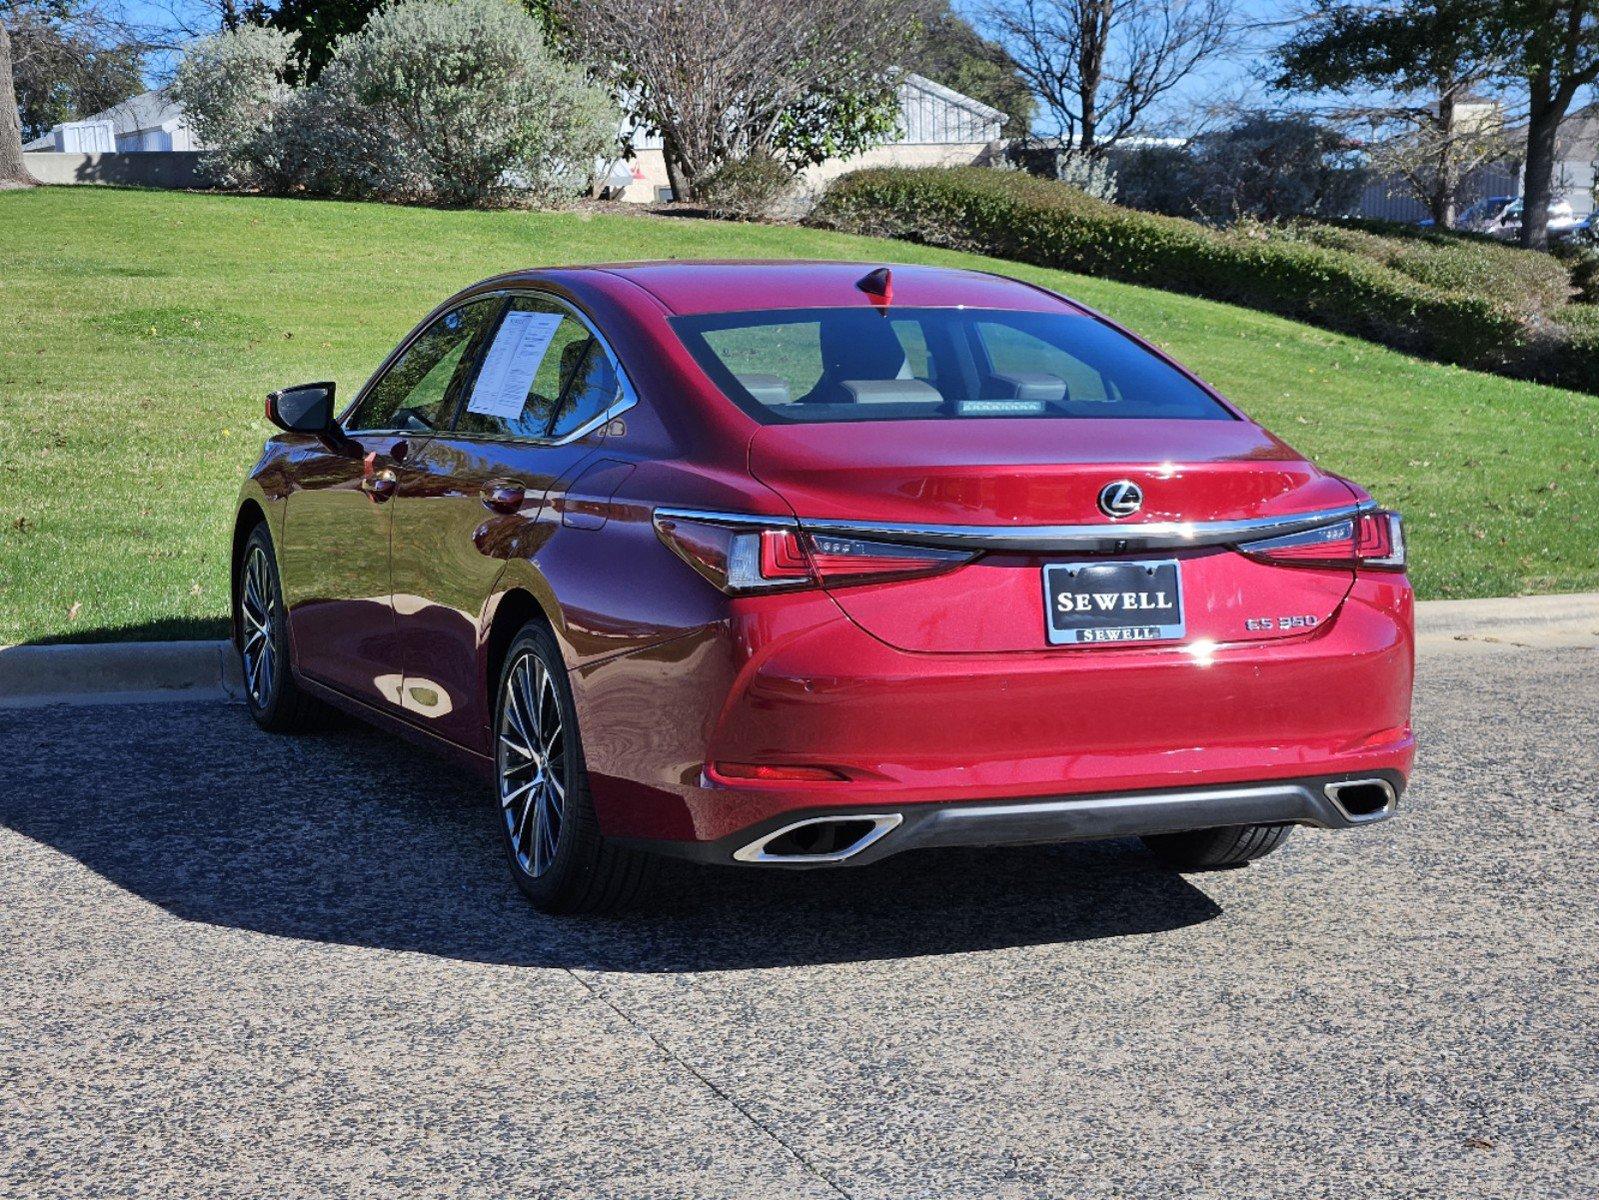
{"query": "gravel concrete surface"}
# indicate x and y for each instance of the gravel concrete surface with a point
(239, 965)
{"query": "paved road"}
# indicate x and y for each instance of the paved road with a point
(234, 965)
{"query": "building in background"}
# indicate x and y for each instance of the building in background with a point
(148, 122)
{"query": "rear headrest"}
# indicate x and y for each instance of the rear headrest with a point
(768, 389)
(891, 391)
(1032, 385)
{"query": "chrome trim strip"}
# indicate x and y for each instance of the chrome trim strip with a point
(1105, 539)
(725, 518)
(883, 825)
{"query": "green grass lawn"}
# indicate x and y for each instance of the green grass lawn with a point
(138, 331)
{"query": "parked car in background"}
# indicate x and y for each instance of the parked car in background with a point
(784, 565)
(1500, 217)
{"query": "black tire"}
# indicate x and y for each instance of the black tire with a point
(585, 872)
(1212, 849)
(277, 703)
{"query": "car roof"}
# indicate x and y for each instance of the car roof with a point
(689, 287)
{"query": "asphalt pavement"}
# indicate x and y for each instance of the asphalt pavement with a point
(239, 965)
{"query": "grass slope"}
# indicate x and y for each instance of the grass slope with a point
(141, 329)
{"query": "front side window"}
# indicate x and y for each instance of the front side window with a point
(856, 364)
(543, 375)
(413, 393)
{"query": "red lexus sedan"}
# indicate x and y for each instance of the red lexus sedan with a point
(801, 564)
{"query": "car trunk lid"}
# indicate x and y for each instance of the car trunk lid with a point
(1026, 494)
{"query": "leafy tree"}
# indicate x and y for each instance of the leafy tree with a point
(1442, 48)
(59, 59)
(318, 24)
(63, 73)
(724, 80)
(1433, 57)
(1556, 56)
(953, 53)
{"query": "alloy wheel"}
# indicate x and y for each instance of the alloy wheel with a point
(258, 611)
(531, 756)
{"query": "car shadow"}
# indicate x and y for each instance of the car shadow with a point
(355, 838)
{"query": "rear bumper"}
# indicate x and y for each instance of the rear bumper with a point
(878, 832)
(789, 680)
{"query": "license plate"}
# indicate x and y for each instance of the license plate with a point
(1109, 602)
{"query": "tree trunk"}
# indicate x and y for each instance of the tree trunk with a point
(1093, 33)
(1448, 181)
(682, 189)
(13, 170)
(1543, 124)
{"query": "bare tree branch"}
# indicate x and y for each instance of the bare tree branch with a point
(1100, 65)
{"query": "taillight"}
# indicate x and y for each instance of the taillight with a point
(1372, 539)
(743, 557)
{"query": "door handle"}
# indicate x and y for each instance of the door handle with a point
(379, 485)
(502, 496)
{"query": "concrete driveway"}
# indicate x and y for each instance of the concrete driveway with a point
(237, 965)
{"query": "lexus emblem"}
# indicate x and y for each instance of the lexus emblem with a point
(1121, 499)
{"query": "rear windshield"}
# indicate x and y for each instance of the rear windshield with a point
(910, 364)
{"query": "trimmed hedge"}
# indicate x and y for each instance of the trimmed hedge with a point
(1528, 281)
(1434, 302)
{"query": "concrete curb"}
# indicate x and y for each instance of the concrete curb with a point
(119, 673)
(143, 672)
(1568, 620)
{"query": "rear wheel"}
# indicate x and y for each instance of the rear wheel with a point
(552, 839)
(1209, 849)
(275, 701)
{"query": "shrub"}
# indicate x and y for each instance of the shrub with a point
(457, 102)
(746, 189)
(1271, 168)
(1017, 216)
(1534, 283)
(1157, 179)
(230, 86)
(475, 104)
(1581, 259)
(1089, 175)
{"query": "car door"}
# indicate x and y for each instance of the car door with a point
(534, 409)
(337, 529)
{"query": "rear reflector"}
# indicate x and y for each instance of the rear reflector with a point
(1372, 539)
(744, 557)
(769, 773)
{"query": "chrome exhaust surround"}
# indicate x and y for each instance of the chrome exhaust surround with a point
(1357, 809)
(881, 825)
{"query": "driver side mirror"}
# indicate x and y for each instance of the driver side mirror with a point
(304, 409)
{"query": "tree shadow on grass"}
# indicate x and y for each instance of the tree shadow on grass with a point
(355, 838)
(162, 629)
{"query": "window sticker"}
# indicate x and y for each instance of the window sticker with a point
(508, 369)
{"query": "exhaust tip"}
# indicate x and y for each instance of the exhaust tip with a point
(1363, 800)
(818, 840)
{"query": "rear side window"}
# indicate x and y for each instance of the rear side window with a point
(413, 392)
(857, 364)
(543, 375)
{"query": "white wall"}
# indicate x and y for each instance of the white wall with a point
(1574, 179)
(649, 166)
(84, 137)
